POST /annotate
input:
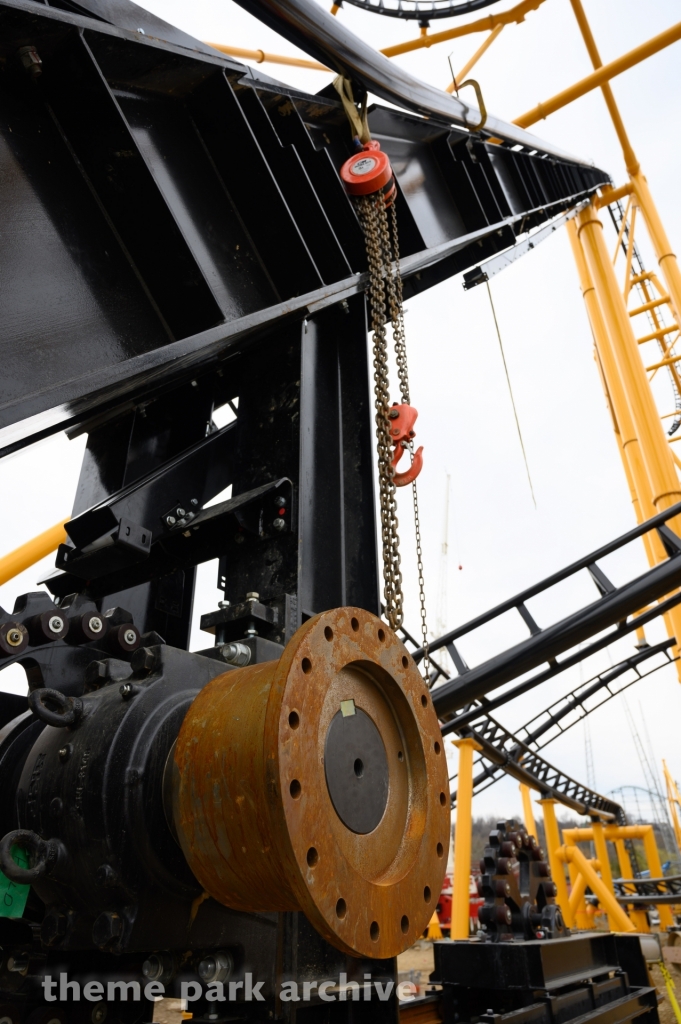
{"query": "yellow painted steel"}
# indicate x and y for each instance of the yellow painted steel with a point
(648, 460)
(268, 58)
(601, 848)
(515, 14)
(577, 904)
(616, 390)
(28, 554)
(636, 915)
(528, 812)
(674, 800)
(613, 833)
(475, 58)
(603, 74)
(658, 236)
(572, 854)
(462, 840)
(553, 845)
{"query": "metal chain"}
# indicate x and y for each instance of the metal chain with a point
(382, 252)
(392, 573)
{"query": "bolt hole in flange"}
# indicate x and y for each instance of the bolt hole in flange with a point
(339, 714)
(424, 700)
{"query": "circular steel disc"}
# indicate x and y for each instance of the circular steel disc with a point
(356, 769)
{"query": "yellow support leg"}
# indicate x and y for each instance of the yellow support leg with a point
(601, 847)
(462, 840)
(28, 554)
(598, 887)
(528, 813)
(553, 845)
(655, 867)
(638, 916)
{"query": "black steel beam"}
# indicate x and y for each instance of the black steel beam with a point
(307, 25)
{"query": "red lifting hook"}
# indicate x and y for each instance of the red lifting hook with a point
(402, 419)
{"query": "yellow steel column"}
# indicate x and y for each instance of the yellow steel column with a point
(528, 813)
(462, 840)
(655, 867)
(553, 845)
(638, 916)
(658, 236)
(665, 489)
(601, 848)
(615, 384)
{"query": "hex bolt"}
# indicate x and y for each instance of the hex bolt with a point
(216, 968)
(279, 523)
(98, 1013)
(181, 512)
(130, 636)
(56, 624)
(252, 595)
(236, 654)
(54, 927)
(107, 928)
(223, 604)
(171, 520)
(14, 637)
(18, 964)
(144, 659)
(96, 624)
(194, 501)
(127, 690)
(65, 752)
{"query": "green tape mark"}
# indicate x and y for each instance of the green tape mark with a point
(13, 896)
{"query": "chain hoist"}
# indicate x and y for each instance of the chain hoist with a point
(368, 177)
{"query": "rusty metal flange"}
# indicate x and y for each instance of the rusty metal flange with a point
(319, 783)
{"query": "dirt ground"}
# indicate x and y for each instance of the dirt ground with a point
(417, 963)
(168, 1011)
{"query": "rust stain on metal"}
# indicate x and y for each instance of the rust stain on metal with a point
(251, 804)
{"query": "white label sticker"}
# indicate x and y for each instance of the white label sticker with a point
(363, 166)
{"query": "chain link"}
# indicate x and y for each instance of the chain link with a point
(392, 573)
(385, 285)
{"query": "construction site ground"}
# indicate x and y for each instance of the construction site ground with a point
(416, 965)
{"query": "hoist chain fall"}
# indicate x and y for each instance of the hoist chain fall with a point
(394, 423)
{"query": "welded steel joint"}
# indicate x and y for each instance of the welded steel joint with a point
(319, 783)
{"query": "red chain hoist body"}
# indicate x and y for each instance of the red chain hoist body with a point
(369, 171)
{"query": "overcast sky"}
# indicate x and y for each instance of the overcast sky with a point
(498, 542)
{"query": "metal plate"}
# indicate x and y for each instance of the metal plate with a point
(356, 768)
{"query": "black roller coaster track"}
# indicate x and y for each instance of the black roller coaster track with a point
(465, 708)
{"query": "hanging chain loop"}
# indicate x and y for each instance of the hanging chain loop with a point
(385, 288)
